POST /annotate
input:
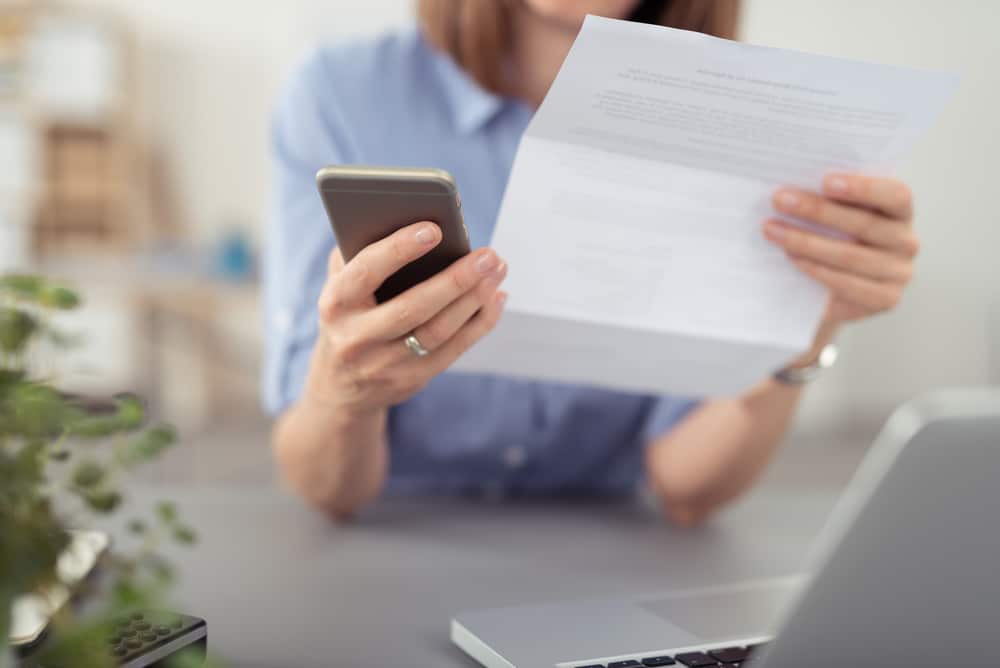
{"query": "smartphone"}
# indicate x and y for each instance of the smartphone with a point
(366, 204)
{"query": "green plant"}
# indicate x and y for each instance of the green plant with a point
(62, 462)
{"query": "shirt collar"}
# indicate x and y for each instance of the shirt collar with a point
(472, 106)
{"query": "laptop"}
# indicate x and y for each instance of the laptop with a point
(906, 573)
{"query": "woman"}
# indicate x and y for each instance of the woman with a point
(357, 412)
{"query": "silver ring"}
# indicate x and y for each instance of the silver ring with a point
(414, 346)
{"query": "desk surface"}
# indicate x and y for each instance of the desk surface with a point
(282, 586)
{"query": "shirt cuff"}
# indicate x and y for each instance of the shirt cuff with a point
(666, 413)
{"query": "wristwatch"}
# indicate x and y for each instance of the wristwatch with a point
(802, 375)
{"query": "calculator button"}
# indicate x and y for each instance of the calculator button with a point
(119, 650)
(114, 640)
(143, 626)
(129, 633)
(148, 636)
(132, 643)
(162, 630)
(137, 616)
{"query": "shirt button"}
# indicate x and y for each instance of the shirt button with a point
(515, 456)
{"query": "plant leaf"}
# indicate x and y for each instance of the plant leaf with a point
(149, 444)
(88, 474)
(101, 501)
(32, 537)
(81, 643)
(185, 535)
(58, 297)
(34, 411)
(167, 512)
(94, 426)
(21, 285)
(130, 412)
(9, 378)
(29, 468)
(128, 595)
(16, 329)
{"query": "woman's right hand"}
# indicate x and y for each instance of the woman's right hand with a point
(361, 364)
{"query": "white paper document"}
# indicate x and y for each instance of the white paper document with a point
(632, 219)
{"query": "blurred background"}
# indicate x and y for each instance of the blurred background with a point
(134, 162)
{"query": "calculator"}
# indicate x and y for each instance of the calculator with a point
(144, 639)
(138, 639)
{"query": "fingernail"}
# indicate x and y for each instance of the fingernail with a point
(788, 199)
(774, 230)
(836, 184)
(487, 263)
(425, 235)
(498, 273)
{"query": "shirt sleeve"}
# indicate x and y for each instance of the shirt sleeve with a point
(665, 414)
(307, 133)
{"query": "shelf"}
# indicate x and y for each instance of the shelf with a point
(90, 181)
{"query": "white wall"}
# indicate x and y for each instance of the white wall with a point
(946, 331)
(208, 72)
(211, 68)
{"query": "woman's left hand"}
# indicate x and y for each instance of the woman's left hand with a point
(867, 272)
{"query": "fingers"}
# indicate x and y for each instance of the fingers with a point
(476, 328)
(867, 272)
(863, 224)
(437, 331)
(847, 256)
(403, 314)
(335, 262)
(872, 296)
(890, 196)
(441, 328)
(367, 270)
(327, 296)
(393, 365)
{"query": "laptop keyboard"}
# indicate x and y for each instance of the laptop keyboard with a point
(729, 657)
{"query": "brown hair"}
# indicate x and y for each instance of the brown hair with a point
(477, 33)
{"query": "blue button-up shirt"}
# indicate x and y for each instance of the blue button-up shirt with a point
(396, 101)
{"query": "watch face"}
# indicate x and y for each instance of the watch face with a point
(827, 356)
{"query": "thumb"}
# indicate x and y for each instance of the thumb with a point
(335, 263)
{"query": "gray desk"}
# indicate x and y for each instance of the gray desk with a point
(281, 586)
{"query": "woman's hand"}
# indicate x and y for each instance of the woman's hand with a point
(867, 272)
(331, 445)
(360, 364)
(717, 451)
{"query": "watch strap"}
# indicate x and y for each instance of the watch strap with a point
(801, 375)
